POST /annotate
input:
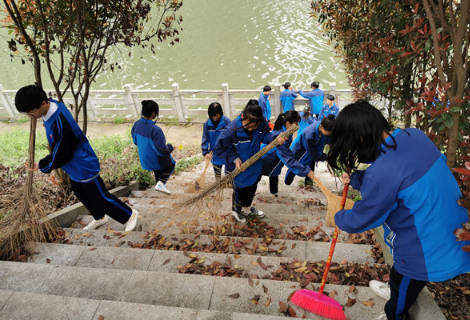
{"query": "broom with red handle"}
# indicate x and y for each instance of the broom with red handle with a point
(317, 302)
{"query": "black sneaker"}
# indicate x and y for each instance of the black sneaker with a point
(238, 217)
(256, 212)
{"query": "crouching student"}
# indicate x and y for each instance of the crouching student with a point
(309, 145)
(275, 159)
(154, 152)
(241, 140)
(72, 152)
(212, 128)
(410, 191)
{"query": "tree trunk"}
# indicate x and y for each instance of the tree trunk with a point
(453, 140)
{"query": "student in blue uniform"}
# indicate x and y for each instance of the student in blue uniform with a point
(211, 131)
(308, 146)
(315, 98)
(72, 152)
(154, 152)
(306, 119)
(240, 140)
(409, 190)
(329, 108)
(263, 102)
(276, 158)
(287, 97)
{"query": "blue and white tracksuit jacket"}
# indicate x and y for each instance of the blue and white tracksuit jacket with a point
(276, 158)
(327, 110)
(287, 99)
(234, 143)
(309, 145)
(154, 153)
(210, 134)
(71, 150)
(413, 194)
(265, 105)
(315, 99)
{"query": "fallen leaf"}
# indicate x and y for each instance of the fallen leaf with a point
(292, 313)
(86, 234)
(166, 261)
(351, 289)
(350, 302)
(91, 249)
(234, 296)
(332, 294)
(282, 307)
(100, 318)
(368, 303)
(268, 302)
(48, 260)
(77, 237)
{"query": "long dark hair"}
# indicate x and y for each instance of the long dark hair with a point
(357, 136)
(291, 116)
(253, 112)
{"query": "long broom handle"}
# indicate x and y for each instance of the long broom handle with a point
(333, 242)
(32, 146)
(229, 177)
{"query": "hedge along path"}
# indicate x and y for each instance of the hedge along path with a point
(229, 178)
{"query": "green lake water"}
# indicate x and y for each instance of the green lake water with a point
(245, 43)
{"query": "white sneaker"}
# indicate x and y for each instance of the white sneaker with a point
(238, 217)
(256, 212)
(382, 316)
(96, 223)
(132, 222)
(382, 289)
(162, 188)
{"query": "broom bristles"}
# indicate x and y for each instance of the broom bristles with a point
(25, 221)
(229, 177)
(334, 203)
(319, 304)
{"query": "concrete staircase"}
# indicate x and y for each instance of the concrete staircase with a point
(196, 262)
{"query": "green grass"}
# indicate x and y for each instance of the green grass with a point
(117, 154)
(14, 147)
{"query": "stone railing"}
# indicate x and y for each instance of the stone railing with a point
(179, 105)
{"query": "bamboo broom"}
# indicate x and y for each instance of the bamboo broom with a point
(334, 203)
(229, 177)
(200, 181)
(26, 221)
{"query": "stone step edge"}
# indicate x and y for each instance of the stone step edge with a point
(42, 305)
(241, 261)
(136, 237)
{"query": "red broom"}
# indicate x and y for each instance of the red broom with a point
(317, 302)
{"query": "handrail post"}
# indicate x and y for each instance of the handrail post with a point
(277, 100)
(131, 104)
(178, 108)
(226, 101)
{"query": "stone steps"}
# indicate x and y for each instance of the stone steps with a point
(173, 290)
(135, 275)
